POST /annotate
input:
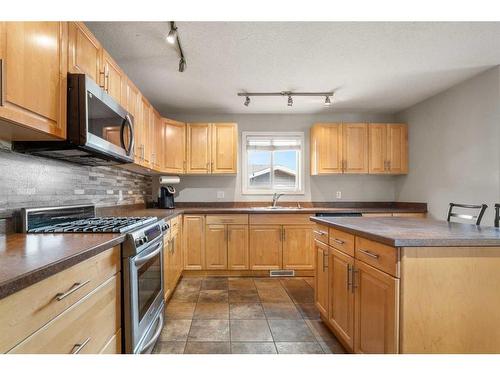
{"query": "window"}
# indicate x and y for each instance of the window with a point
(273, 162)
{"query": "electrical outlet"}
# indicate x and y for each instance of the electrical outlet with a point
(220, 195)
(120, 195)
(338, 195)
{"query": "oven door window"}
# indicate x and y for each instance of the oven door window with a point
(148, 284)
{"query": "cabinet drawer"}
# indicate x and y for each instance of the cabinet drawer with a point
(342, 241)
(227, 219)
(85, 327)
(380, 256)
(320, 233)
(281, 219)
(26, 311)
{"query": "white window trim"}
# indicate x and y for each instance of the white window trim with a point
(244, 168)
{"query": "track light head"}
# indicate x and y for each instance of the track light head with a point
(182, 65)
(247, 101)
(290, 101)
(327, 101)
(172, 36)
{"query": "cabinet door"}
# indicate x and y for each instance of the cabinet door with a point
(175, 146)
(298, 252)
(198, 148)
(157, 141)
(145, 133)
(321, 277)
(216, 247)
(376, 310)
(355, 148)
(326, 149)
(33, 68)
(377, 148)
(237, 247)
(224, 148)
(178, 263)
(84, 51)
(167, 268)
(112, 77)
(341, 299)
(397, 148)
(265, 247)
(194, 242)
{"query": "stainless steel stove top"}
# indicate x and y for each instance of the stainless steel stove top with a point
(78, 219)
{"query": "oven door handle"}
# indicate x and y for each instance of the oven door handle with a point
(128, 148)
(157, 334)
(141, 260)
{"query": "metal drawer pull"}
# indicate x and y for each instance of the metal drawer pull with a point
(74, 288)
(151, 342)
(78, 347)
(338, 241)
(370, 254)
(319, 233)
(349, 280)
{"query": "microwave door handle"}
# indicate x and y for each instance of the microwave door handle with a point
(140, 261)
(128, 122)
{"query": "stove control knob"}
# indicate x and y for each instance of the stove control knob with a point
(138, 242)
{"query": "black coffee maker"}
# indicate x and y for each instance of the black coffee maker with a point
(166, 198)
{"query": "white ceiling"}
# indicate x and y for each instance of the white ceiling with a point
(372, 67)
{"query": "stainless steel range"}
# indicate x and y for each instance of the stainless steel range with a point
(142, 264)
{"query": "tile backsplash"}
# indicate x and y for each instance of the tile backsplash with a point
(29, 181)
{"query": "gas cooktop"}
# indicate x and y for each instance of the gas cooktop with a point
(77, 219)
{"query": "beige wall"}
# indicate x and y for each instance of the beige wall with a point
(317, 188)
(455, 147)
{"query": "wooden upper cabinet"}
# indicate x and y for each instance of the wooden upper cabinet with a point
(175, 146)
(377, 148)
(157, 140)
(298, 251)
(33, 66)
(237, 247)
(194, 242)
(224, 148)
(216, 247)
(145, 132)
(326, 149)
(84, 51)
(112, 77)
(355, 148)
(198, 148)
(397, 148)
(341, 298)
(376, 311)
(321, 277)
(266, 247)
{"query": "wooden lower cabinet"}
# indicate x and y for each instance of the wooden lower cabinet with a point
(194, 242)
(266, 247)
(216, 247)
(376, 311)
(341, 296)
(85, 327)
(298, 251)
(321, 277)
(172, 262)
(237, 247)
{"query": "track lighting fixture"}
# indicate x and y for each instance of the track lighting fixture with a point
(172, 37)
(289, 94)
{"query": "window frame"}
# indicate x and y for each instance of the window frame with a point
(246, 190)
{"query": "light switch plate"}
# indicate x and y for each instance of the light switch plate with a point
(220, 194)
(338, 195)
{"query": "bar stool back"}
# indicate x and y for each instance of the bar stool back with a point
(478, 217)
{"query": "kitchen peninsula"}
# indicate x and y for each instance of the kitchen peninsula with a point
(408, 285)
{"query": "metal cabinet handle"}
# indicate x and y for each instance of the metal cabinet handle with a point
(284, 235)
(74, 288)
(370, 254)
(1, 82)
(340, 242)
(325, 261)
(349, 279)
(354, 272)
(78, 347)
(319, 233)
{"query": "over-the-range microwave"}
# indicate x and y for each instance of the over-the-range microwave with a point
(99, 130)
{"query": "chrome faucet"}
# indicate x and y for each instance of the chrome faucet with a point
(276, 196)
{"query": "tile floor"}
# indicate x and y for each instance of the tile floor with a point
(220, 315)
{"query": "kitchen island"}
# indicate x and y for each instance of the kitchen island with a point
(407, 285)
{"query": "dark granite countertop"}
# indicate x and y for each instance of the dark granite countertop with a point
(400, 232)
(28, 258)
